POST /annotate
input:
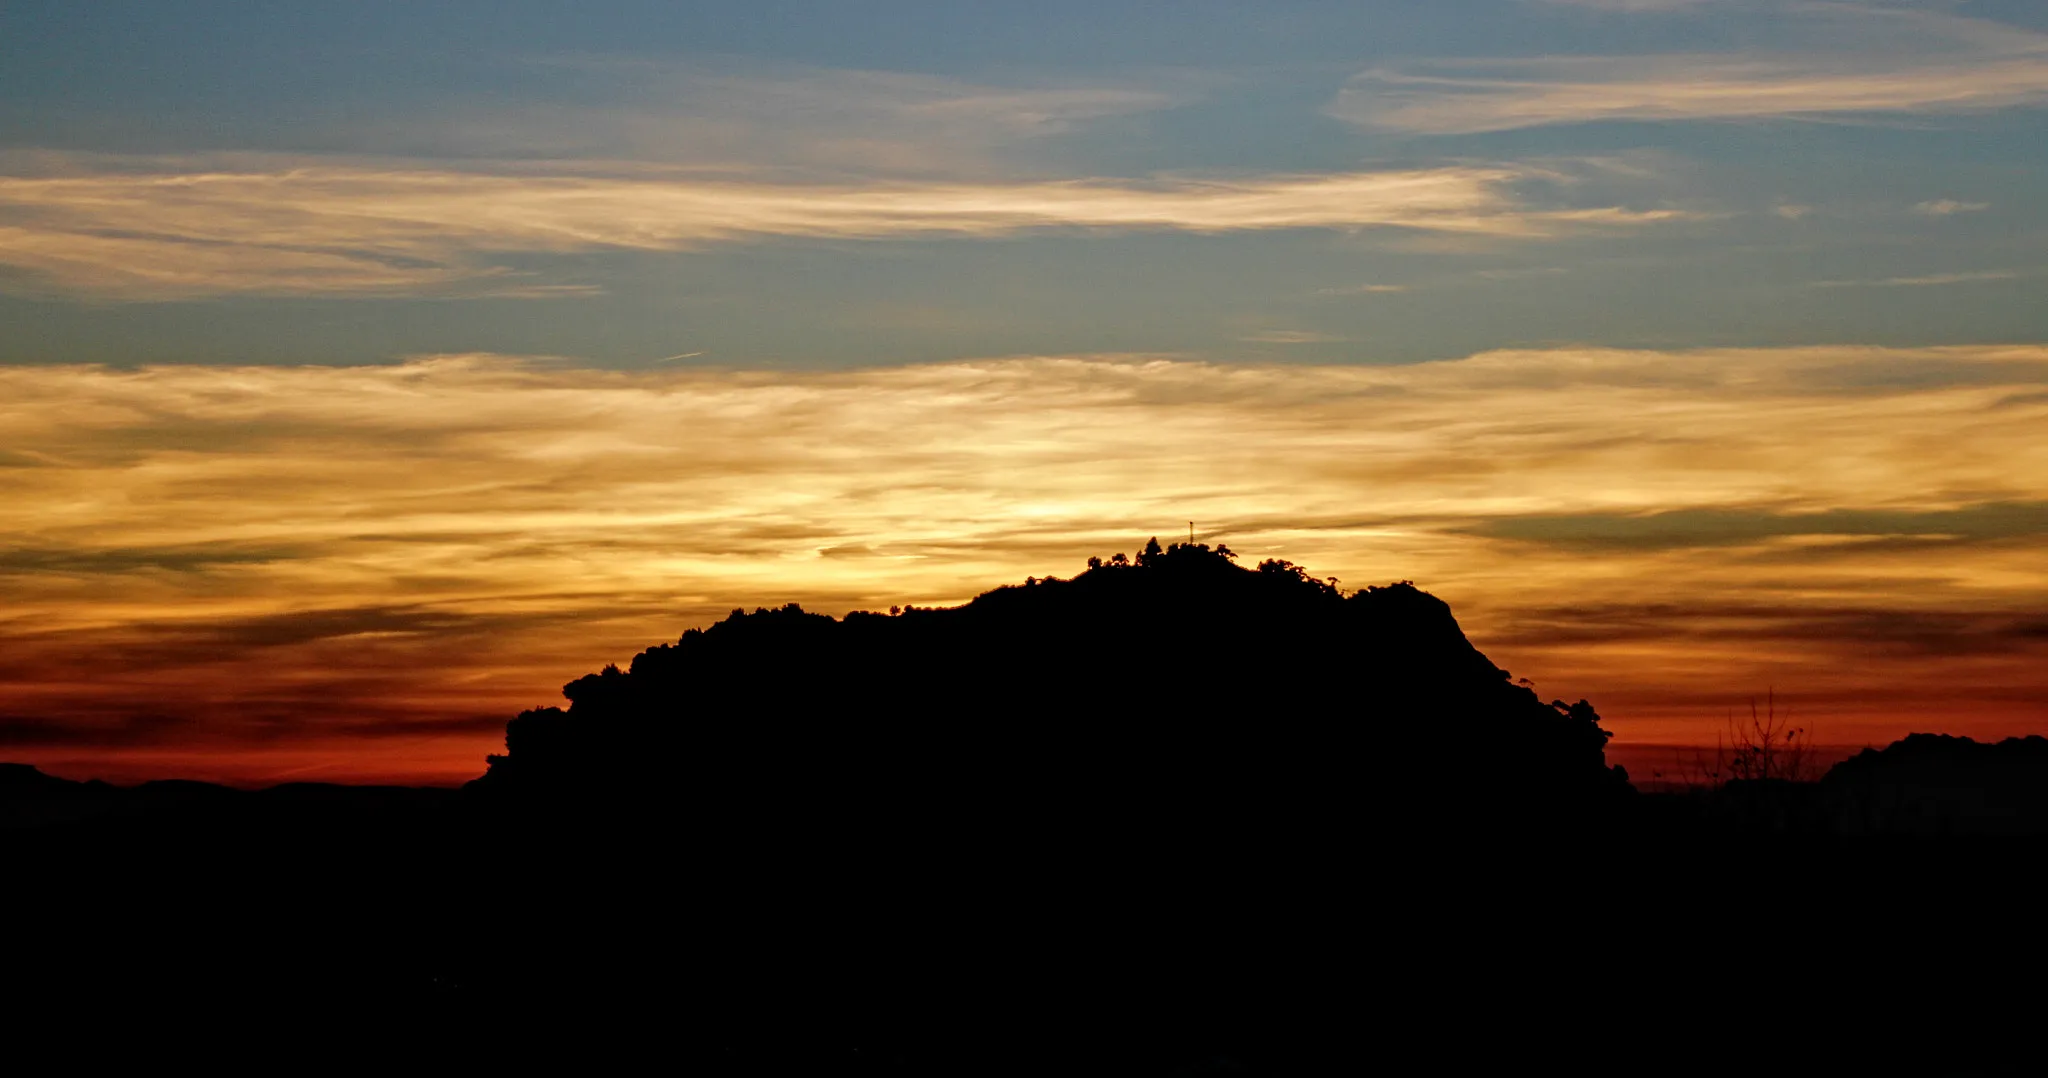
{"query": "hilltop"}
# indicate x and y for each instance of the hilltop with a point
(1176, 685)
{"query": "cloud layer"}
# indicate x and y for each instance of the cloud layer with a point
(376, 564)
(338, 228)
(1864, 60)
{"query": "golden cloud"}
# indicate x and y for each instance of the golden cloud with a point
(398, 556)
(292, 228)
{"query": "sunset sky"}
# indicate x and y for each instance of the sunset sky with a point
(369, 370)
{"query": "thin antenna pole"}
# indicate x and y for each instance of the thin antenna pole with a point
(1191, 533)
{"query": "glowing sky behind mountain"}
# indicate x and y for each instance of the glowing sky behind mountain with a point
(366, 378)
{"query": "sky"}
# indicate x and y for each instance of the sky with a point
(370, 370)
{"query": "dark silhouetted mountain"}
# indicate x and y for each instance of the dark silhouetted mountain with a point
(1937, 784)
(1174, 694)
(1171, 816)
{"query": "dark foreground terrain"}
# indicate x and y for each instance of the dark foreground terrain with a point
(1171, 816)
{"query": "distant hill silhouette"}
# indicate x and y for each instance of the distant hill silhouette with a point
(1937, 784)
(33, 801)
(1176, 691)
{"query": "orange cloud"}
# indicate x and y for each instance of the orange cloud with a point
(269, 558)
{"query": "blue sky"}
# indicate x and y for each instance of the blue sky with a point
(1793, 172)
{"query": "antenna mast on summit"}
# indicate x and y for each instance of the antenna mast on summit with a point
(1191, 533)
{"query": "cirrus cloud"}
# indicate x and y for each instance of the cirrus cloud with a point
(1864, 60)
(311, 228)
(1948, 207)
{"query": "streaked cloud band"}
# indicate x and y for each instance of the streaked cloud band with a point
(1501, 97)
(1861, 60)
(375, 230)
(270, 556)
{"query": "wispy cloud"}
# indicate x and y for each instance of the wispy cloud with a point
(309, 227)
(1289, 336)
(1948, 207)
(804, 119)
(1362, 290)
(1871, 60)
(1922, 282)
(1519, 273)
(308, 553)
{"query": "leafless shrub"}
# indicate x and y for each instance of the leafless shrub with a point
(1764, 746)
